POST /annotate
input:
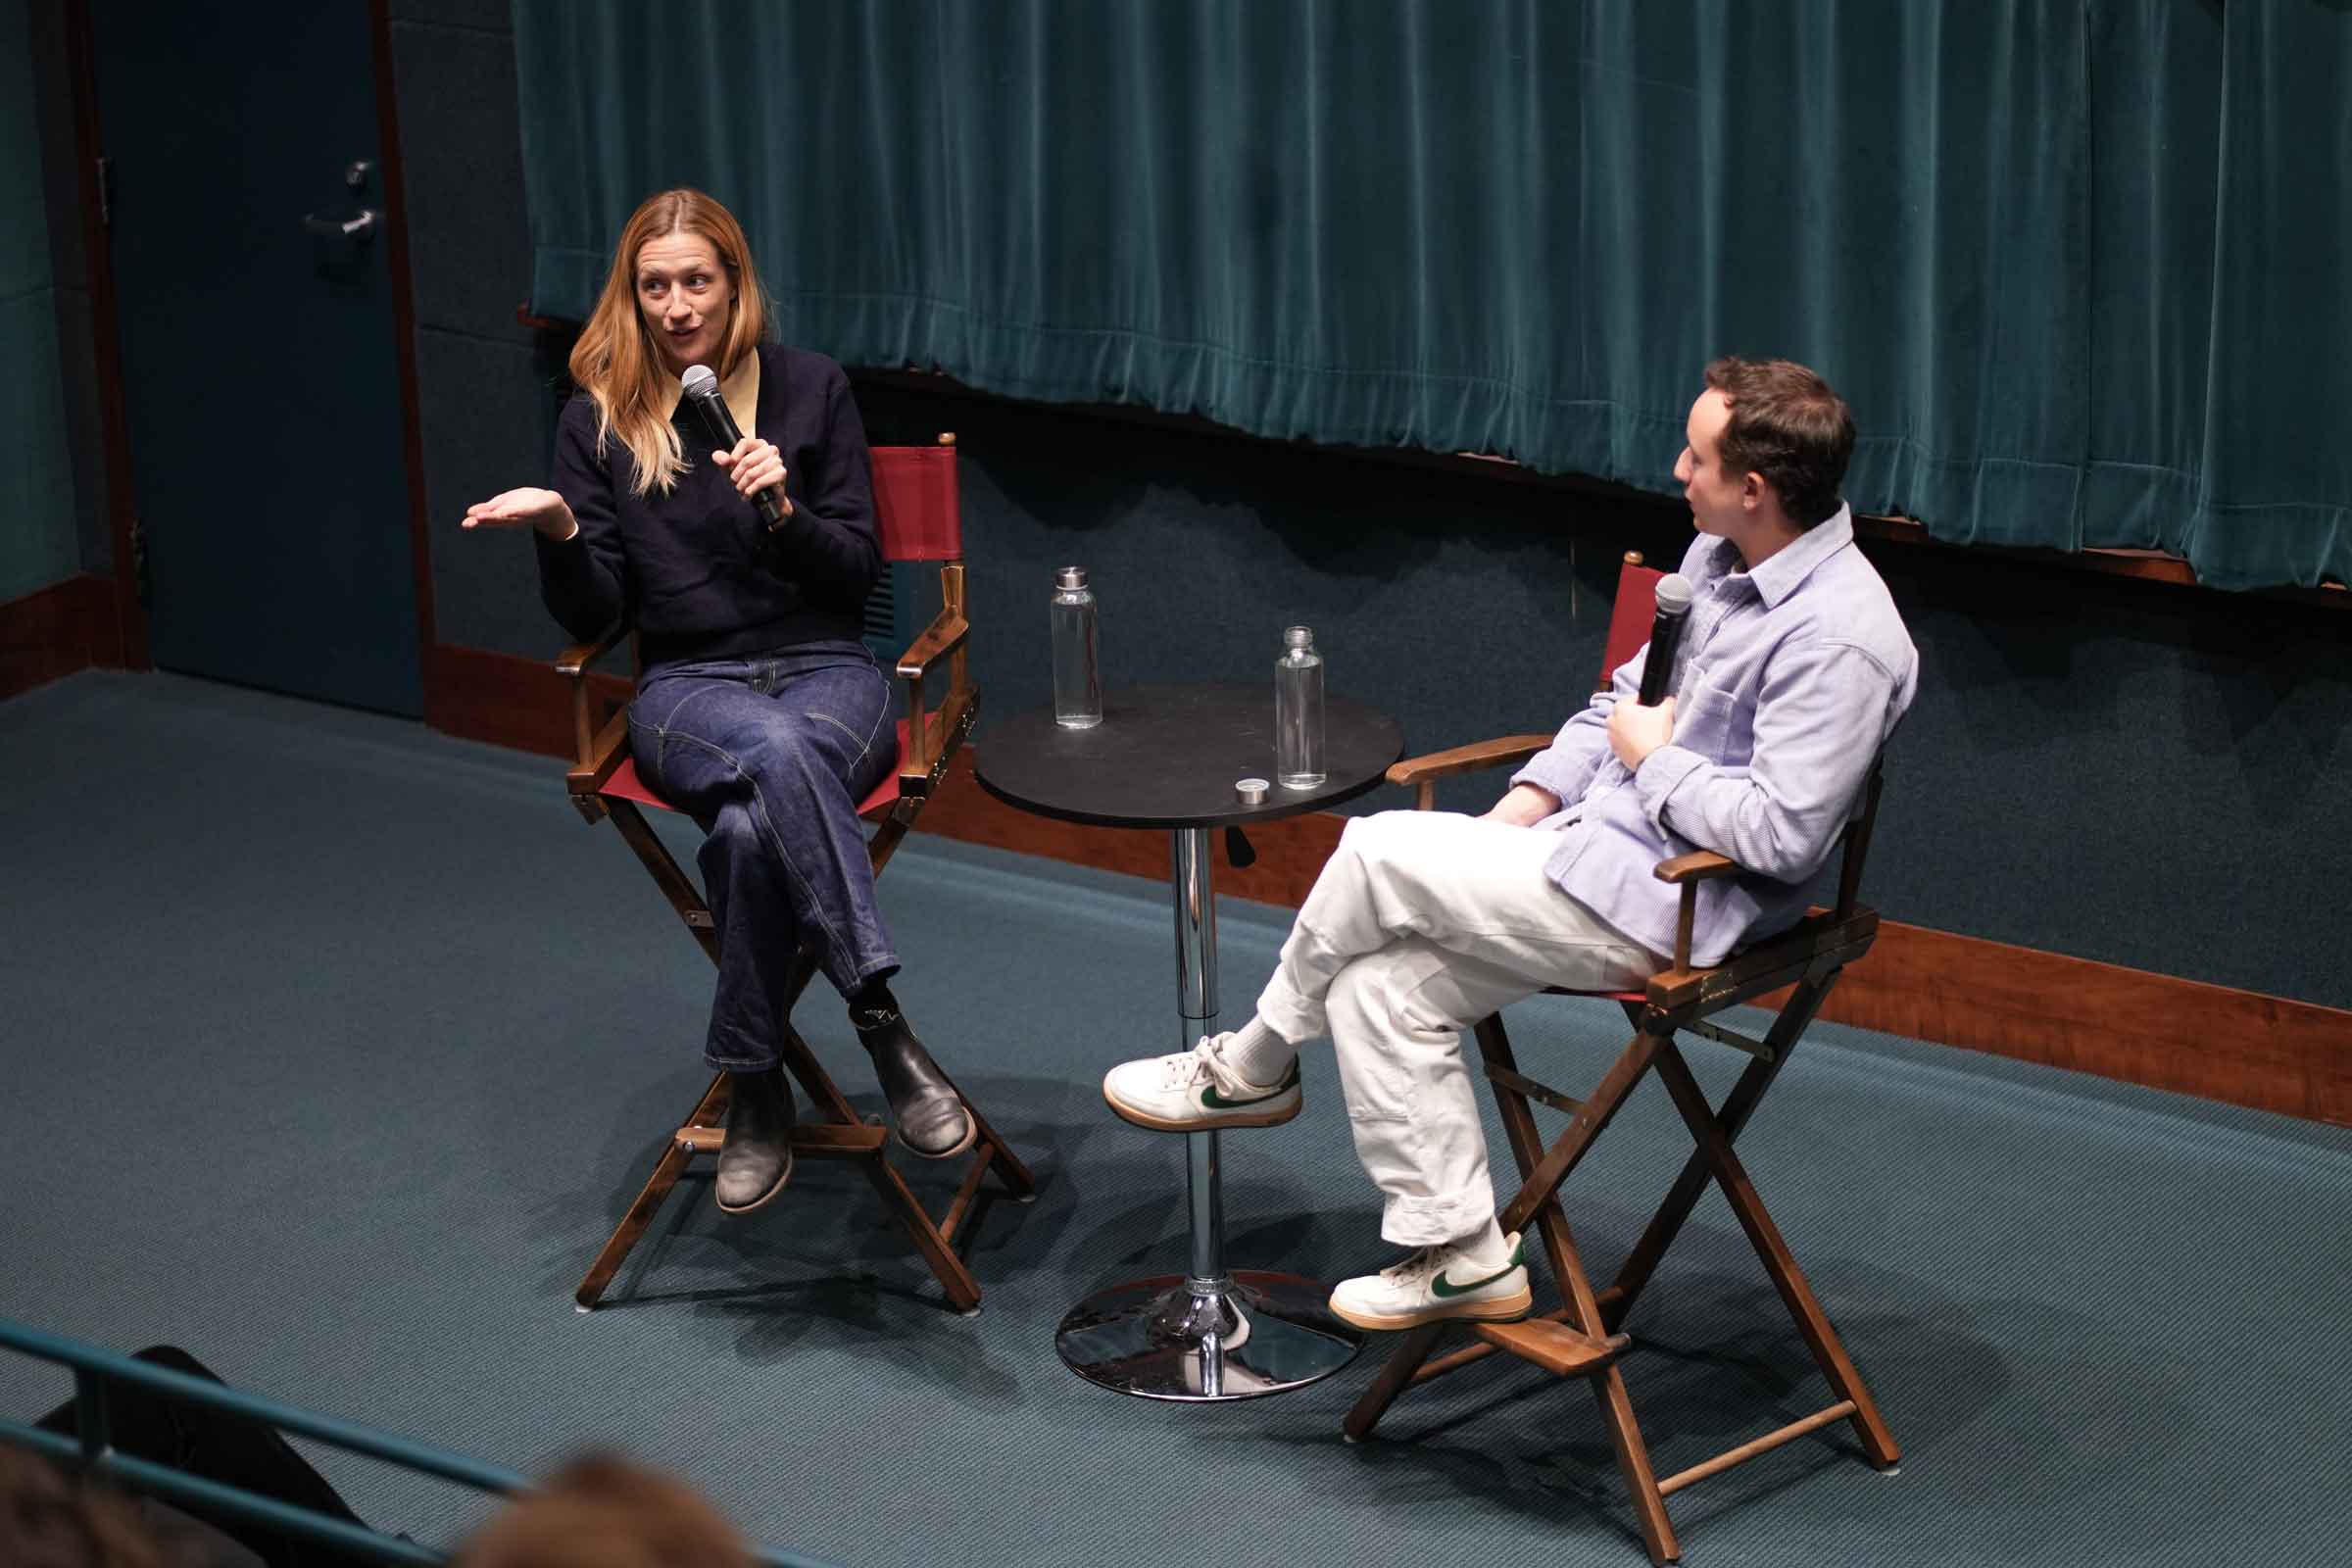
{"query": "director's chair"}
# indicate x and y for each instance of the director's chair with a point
(1583, 1337)
(917, 506)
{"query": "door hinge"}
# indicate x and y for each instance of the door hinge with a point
(106, 193)
(138, 560)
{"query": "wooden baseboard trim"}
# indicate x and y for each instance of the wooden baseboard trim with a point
(504, 699)
(53, 632)
(2240, 1048)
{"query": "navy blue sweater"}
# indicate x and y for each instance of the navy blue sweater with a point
(696, 569)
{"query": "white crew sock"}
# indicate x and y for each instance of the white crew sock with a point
(1259, 1054)
(1485, 1248)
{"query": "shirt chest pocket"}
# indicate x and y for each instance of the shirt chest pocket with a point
(1710, 718)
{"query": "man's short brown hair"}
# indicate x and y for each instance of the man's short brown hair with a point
(1789, 426)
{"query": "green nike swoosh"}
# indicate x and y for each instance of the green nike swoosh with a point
(1217, 1101)
(1443, 1287)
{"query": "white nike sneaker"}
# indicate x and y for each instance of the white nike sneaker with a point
(1196, 1090)
(1432, 1284)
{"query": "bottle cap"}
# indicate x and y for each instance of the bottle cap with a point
(1250, 791)
(1298, 637)
(1070, 577)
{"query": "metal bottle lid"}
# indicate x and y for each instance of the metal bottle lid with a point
(1070, 577)
(1252, 791)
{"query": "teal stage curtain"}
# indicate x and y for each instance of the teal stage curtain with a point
(2079, 265)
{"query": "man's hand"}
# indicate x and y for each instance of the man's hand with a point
(1524, 806)
(527, 507)
(754, 465)
(1636, 731)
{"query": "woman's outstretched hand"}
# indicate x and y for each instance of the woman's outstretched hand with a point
(754, 465)
(526, 507)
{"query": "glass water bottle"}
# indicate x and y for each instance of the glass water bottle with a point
(1299, 711)
(1077, 677)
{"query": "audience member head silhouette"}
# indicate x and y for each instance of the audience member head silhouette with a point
(599, 1511)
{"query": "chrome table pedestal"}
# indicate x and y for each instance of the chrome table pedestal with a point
(1209, 1334)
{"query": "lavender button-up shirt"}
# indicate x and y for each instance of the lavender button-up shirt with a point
(1791, 678)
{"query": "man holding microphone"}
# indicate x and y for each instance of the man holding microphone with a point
(1794, 669)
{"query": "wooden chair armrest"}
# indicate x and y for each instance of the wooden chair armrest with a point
(1690, 871)
(599, 760)
(946, 633)
(1699, 866)
(1471, 759)
(1421, 773)
(572, 664)
(932, 738)
(575, 659)
(927, 742)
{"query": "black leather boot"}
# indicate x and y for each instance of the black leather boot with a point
(755, 1161)
(930, 1117)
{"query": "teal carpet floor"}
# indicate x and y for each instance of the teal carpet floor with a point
(332, 1047)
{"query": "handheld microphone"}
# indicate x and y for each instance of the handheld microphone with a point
(1665, 638)
(702, 390)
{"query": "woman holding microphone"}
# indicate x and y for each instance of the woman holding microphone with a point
(758, 709)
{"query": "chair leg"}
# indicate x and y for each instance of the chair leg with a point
(1617, 1302)
(1632, 1458)
(1394, 1378)
(1009, 1167)
(1587, 1124)
(1741, 1103)
(964, 1292)
(1519, 1126)
(633, 1225)
(885, 843)
(953, 1278)
(1567, 1268)
(1765, 1237)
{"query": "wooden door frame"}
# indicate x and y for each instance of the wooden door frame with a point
(130, 615)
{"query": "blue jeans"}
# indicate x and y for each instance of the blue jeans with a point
(771, 756)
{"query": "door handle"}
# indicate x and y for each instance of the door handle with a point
(360, 228)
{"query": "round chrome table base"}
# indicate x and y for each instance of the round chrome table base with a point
(1173, 1338)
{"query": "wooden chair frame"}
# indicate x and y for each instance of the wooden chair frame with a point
(1585, 1336)
(929, 738)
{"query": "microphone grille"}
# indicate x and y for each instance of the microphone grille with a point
(699, 381)
(1674, 594)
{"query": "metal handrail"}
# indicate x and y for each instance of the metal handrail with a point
(91, 1448)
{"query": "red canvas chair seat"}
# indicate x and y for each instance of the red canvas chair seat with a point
(625, 785)
(1585, 1337)
(917, 509)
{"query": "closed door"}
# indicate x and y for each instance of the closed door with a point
(261, 378)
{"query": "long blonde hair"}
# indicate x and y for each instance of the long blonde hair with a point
(616, 362)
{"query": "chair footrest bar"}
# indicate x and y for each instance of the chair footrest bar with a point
(1760, 1445)
(1477, 1350)
(817, 1138)
(1554, 1346)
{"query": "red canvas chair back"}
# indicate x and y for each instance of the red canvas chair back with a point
(917, 502)
(1630, 621)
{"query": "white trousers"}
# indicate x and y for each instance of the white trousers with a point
(1420, 924)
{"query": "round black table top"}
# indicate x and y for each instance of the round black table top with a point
(1167, 755)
